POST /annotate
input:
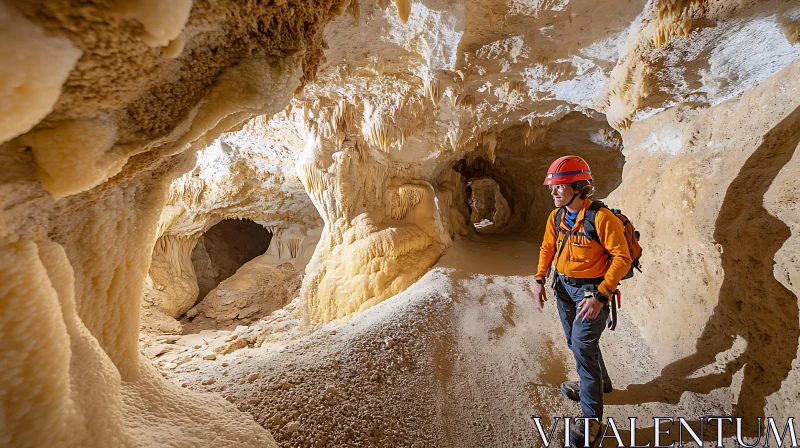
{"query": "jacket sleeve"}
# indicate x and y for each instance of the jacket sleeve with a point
(548, 248)
(612, 235)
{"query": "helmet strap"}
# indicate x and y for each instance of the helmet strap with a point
(571, 200)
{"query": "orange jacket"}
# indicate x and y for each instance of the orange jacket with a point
(584, 258)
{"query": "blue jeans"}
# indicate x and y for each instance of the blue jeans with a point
(583, 338)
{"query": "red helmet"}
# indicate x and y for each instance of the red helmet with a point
(566, 170)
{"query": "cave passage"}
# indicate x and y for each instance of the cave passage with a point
(485, 202)
(224, 248)
(507, 195)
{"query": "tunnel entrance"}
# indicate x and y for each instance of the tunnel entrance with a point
(489, 194)
(519, 165)
(224, 248)
(486, 204)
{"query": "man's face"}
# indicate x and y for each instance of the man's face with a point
(562, 194)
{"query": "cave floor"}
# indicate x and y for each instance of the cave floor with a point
(463, 358)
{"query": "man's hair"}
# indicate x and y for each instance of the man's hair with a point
(584, 188)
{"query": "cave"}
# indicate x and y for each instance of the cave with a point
(318, 223)
(224, 248)
(519, 162)
(485, 202)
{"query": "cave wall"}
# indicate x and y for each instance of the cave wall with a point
(712, 192)
(483, 199)
(101, 115)
(109, 106)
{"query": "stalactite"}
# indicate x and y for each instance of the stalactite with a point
(456, 138)
(382, 134)
(622, 96)
(488, 142)
(533, 132)
(513, 86)
(355, 10)
(186, 189)
(675, 19)
(434, 87)
(403, 9)
(466, 101)
(453, 94)
(293, 245)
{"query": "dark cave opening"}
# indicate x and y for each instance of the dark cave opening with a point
(224, 248)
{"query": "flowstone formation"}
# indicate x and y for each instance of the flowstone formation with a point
(358, 135)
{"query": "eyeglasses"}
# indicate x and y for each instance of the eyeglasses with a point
(560, 187)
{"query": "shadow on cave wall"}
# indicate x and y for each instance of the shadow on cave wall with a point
(752, 303)
(224, 248)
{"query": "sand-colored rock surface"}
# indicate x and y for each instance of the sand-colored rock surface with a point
(89, 181)
(327, 214)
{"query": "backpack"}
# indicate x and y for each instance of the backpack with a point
(590, 230)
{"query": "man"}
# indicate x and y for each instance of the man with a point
(585, 278)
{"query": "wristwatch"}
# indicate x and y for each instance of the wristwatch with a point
(600, 297)
(539, 281)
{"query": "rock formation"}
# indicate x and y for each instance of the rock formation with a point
(104, 104)
(243, 175)
(350, 131)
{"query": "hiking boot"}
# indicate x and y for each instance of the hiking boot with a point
(572, 389)
(576, 435)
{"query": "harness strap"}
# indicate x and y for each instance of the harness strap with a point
(611, 322)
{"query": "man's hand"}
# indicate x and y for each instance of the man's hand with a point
(589, 308)
(539, 294)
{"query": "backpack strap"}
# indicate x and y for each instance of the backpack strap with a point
(589, 220)
(559, 216)
(589, 230)
(559, 230)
